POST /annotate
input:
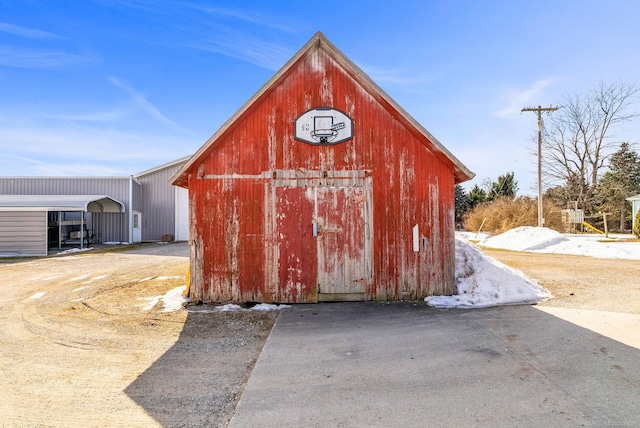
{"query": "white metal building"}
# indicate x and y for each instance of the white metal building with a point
(165, 208)
(76, 211)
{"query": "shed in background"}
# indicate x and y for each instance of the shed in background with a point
(321, 187)
(107, 227)
(29, 223)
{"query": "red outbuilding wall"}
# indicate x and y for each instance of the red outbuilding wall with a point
(275, 219)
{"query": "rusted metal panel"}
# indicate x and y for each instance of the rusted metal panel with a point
(256, 192)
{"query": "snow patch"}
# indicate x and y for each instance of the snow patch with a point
(483, 281)
(228, 307)
(268, 307)
(38, 295)
(153, 301)
(525, 238)
(95, 278)
(173, 300)
(73, 250)
(259, 307)
(544, 240)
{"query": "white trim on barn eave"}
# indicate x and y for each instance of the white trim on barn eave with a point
(318, 41)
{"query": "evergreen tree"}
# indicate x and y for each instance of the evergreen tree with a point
(636, 225)
(506, 185)
(621, 181)
(461, 204)
(476, 196)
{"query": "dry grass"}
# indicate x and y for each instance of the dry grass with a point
(504, 214)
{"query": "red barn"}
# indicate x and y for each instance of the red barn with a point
(319, 188)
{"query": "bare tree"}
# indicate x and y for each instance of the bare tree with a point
(579, 138)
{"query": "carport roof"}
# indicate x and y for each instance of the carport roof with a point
(86, 203)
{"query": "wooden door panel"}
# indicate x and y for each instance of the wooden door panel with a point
(297, 260)
(341, 240)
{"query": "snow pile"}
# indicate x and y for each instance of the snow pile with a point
(172, 300)
(544, 240)
(483, 281)
(525, 238)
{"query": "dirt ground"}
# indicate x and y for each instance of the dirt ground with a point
(576, 282)
(86, 353)
(77, 347)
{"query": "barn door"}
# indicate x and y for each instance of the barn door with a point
(342, 244)
(323, 248)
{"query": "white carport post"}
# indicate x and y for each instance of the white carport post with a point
(81, 230)
(59, 230)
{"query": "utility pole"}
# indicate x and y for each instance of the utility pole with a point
(539, 110)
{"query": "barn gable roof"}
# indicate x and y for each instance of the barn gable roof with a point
(320, 42)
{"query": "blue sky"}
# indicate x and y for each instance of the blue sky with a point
(99, 87)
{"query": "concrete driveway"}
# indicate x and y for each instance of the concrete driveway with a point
(407, 365)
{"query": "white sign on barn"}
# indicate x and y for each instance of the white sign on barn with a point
(323, 125)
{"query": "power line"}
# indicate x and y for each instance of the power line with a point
(539, 110)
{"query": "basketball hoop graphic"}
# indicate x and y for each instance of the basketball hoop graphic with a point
(321, 126)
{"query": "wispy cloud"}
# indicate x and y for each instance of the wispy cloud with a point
(259, 52)
(146, 106)
(273, 22)
(33, 148)
(47, 60)
(518, 99)
(399, 76)
(99, 116)
(243, 34)
(30, 33)
(57, 167)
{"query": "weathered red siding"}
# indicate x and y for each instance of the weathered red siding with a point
(255, 193)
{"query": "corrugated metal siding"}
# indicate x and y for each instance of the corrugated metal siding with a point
(110, 227)
(158, 204)
(234, 208)
(23, 233)
(136, 190)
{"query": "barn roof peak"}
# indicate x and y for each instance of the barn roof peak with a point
(320, 41)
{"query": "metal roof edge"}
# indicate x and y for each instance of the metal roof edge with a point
(73, 177)
(163, 166)
(55, 202)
